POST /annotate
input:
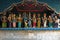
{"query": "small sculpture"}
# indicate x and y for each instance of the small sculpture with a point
(29, 21)
(25, 20)
(45, 20)
(34, 20)
(14, 21)
(9, 21)
(56, 22)
(19, 20)
(50, 21)
(39, 21)
(4, 22)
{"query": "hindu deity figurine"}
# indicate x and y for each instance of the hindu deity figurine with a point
(56, 22)
(34, 20)
(9, 21)
(38, 21)
(19, 20)
(14, 21)
(50, 21)
(29, 20)
(45, 20)
(4, 22)
(25, 20)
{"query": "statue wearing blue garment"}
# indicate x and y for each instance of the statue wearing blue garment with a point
(19, 21)
(9, 21)
(29, 20)
(25, 20)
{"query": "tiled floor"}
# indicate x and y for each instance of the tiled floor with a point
(29, 35)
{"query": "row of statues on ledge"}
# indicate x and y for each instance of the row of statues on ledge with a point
(28, 21)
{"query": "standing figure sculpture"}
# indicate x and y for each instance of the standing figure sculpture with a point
(29, 21)
(14, 20)
(19, 20)
(50, 21)
(38, 21)
(4, 22)
(34, 20)
(45, 20)
(9, 21)
(25, 20)
(56, 22)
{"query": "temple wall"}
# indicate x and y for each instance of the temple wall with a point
(29, 35)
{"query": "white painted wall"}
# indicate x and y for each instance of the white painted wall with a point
(29, 35)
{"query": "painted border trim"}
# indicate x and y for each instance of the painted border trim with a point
(29, 28)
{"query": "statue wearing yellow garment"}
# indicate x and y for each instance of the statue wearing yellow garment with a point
(26, 24)
(38, 21)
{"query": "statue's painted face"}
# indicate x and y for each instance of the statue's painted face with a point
(44, 14)
(38, 15)
(14, 15)
(19, 15)
(34, 15)
(49, 16)
(56, 17)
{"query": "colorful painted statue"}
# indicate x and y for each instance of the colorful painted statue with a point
(9, 21)
(4, 22)
(29, 21)
(50, 22)
(14, 21)
(38, 21)
(45, 20)
(19, 20)
(56, 22)
(25, 20)
(34, 20)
